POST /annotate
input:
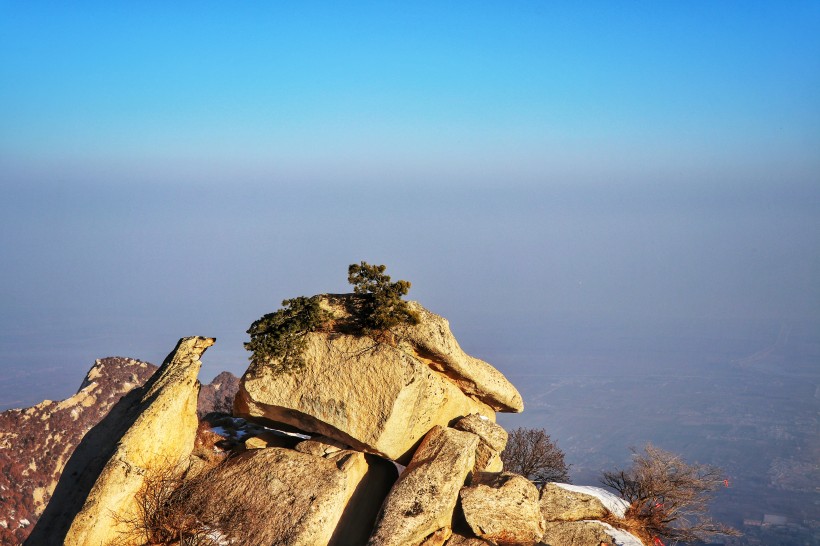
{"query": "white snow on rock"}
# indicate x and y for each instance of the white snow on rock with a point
(612, 502)
(621, 537)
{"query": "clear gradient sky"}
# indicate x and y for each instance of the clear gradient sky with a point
(169, 170)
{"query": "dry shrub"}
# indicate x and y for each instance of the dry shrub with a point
(180, 508)
(531, 453)
(668, 497)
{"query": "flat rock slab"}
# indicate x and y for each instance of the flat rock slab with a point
(566, 502)
(576, 533)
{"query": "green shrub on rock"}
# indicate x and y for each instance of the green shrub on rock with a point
(278, 338)
(384, 309)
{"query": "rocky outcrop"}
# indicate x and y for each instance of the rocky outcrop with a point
(573, 533)
(363, 404)
(152, 427)
(503, 508)
(36, 442)
(421, 503)
(218, 395)
(566, 502)
(375, 396)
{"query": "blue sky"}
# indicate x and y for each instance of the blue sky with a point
(176, 170)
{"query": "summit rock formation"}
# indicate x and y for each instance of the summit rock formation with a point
(376, 396)
(314, 456)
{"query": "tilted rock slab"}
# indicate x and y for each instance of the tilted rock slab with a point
(36, 442)
(503, 508)
(152, 427)
(372, 396)
(566, 502)
(493, 440)
(574, 533)
(282, 496)
(421, 503)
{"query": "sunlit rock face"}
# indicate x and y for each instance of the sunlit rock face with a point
(36, 442)
(151, 428)
(376, 396)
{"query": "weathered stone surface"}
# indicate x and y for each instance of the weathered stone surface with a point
(458, 539)
(575, 533)
(503, 508)
(565, 502)
(493, 440)
(321, 446)
(282, 496)
(438, 538)
(151, 427)
(36, 442)
(421, 503)
(433, 342)
(372, 396)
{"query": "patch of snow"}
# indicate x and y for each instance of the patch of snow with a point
(4, 524)
(621, 537)
(216, 537)
(612, 502)
(484, 417)
(24, 522)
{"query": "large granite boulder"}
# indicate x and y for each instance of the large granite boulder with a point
(420, 506)
(284, 496)
(567, 502)
(503, 509)
(152, 427)
(375, 396)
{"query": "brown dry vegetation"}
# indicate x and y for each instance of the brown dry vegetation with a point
(531, 453)
(668, 497)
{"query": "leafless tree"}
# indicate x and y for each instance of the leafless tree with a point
(669, 498)
(531, 453)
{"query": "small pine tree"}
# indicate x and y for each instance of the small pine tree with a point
(384, 308)
(278, 338)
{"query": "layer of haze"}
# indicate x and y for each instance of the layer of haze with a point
(543, 172)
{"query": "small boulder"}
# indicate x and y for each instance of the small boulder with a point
(503, 509)
(573, 533)
(422, 501)
(566, 502)
(493, 440)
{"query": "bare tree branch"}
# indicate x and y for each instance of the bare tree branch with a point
(669, 498)
(531, 453)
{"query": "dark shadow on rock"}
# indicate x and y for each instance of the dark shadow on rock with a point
(359, 517)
